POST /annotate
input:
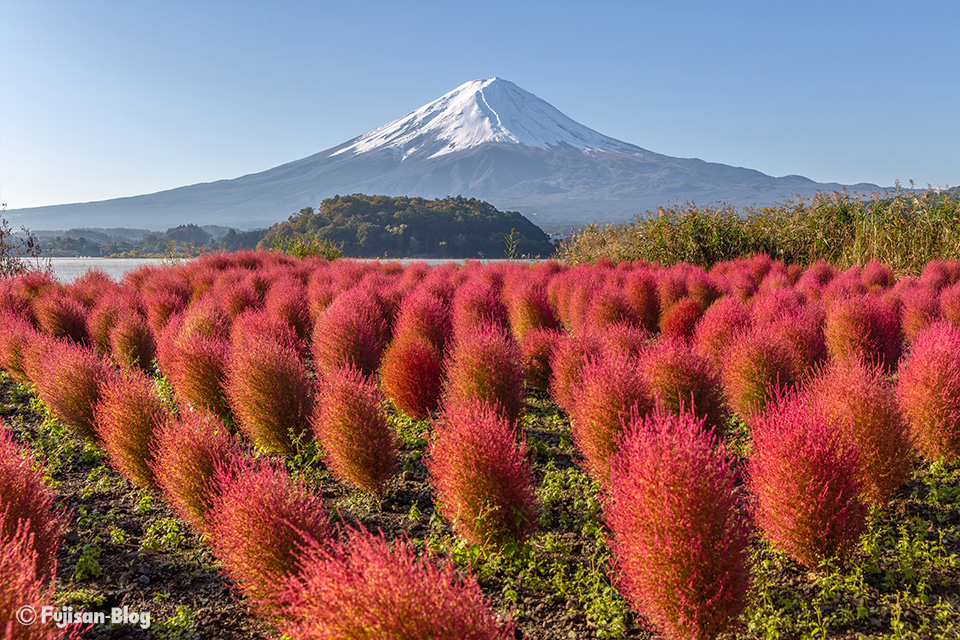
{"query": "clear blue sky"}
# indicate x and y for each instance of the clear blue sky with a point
(108, 98)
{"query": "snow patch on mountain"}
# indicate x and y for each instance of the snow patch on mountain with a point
(479, 112)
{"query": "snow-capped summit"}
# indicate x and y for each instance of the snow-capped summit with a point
(478, 112)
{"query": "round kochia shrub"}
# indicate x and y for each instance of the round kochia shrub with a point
(16, 335)
(929, 391)
(569, 356)
(681, 548)
(270, 393)
(260, 520)
(804, 476)
(26, 505)
(859, 403)
(351, 332)
(611, 386)
(127, 419)
(485, 365)
(723, 320)
(757, 365)
(483, 483)
(61, 316)
(412, 375)
(680, 379)
(366, 589)
(131, 341)
(425, 315)
(536, 350)
(21, 586)
(196, 366)
(350, 425)
(69, 385)
(866, 327)
(186, 455)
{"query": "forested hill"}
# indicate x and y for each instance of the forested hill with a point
(403, 227)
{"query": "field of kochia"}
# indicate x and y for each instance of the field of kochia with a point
(371, 450)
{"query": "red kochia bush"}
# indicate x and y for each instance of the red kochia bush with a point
(483, 483)
(26, 503)
(567, 361)
(724, 319)
(128, 418)
(681, 550)
(950, 304)
(866, 327)
(536, 350)
(131, 341)
(425, 315)
(20, 586)
(270, 393)
(611, 386)
(528, 309)
(351, 332)
(859, 403)
(16, 335)
(803, 474)
(757, 365)
(476, 303)
(929, 391)
(680, 379)
(69, 385)
(196, 366)
(185, 457)
(412, 375)
(260, 520)
(485, 365)
(680, 318)
(61, 316)
(366, 588)
(355, 433)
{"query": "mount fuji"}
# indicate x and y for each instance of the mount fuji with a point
(487, 139)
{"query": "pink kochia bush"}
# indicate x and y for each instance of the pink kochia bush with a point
(485, 365)
(196, 366)
(611, 388)
(185, 457)
(483, 483)
(20, 586)
(351, 332)
(61, 316)
(757, 365)
(803, 474)
(859, 403)
(355, 433)
(680, 545)
(127, 419)
(269, 391)
(412, 375)
(69, 382)
(16, 334)
(364, 588)
(536, 350)
(680, 379)
(131, 341)
(27, 504)
(260, 519)
(929, 391)
(866, 327)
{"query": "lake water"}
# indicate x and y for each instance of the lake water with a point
(67, 269)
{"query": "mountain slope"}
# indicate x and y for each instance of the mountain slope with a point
(487, 139)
